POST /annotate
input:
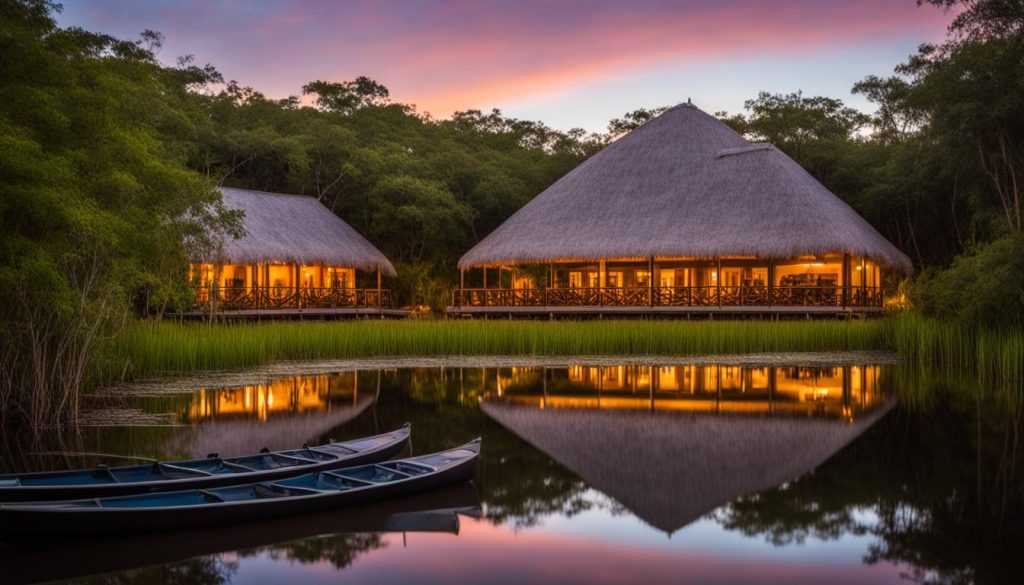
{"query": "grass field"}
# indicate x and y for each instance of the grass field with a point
(147, 349)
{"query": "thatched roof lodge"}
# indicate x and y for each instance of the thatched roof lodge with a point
(295, 257)
(681, 215)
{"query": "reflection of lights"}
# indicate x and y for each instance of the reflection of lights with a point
(816, 395)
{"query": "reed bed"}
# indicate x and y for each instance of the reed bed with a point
(151, 349)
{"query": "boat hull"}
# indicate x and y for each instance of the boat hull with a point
(32, 562)
(31, 493)
(37, 521)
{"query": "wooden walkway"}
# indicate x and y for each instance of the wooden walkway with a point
(553, 311)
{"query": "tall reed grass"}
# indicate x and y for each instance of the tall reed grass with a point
(151, 349)
(161, 348)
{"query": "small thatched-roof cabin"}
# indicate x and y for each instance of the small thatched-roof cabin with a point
(684, 202)
(295, 255)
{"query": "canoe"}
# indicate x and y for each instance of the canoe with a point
(434, 511)
(198, 508)
(211, 472)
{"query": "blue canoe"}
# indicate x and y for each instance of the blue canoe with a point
(213, 471)
(222, 506)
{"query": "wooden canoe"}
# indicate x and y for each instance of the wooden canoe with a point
(198, 508)
(211, 472)
(435, 511)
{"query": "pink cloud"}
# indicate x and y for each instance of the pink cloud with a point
(445, 56)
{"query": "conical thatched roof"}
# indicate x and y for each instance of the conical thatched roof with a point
(671, 469)
(683, 185)
(296, 228)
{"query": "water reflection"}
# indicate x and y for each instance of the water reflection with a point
(292, 395)
(829, 392)
(760, 474)
(654, 438)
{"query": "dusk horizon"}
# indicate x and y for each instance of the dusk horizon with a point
(574, 64)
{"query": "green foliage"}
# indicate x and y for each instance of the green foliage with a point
(814, 131)
(348, 96)
(97, 207)
(985, 286)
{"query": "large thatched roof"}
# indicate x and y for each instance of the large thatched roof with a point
(296, 228)
(671, 469)
(683, 185)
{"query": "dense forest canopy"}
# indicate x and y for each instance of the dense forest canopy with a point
(109, 161)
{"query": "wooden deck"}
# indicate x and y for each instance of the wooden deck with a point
(666, 301)
(292, 303)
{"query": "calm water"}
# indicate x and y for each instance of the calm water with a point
(591, 473)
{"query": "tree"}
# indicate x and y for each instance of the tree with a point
(97, 209)
(812, 130)
(347, 96)
(632, 120)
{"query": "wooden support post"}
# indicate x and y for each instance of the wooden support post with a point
(771, 280)
(846, 278)
(380, 302)
(256, 285)
(298, 287)
(215, 290)
(650, 282)
(863, 282)
(485, 277)
(718, 282)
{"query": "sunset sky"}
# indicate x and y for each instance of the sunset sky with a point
(566, 63)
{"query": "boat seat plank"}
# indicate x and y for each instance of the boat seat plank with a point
(302, 460)
(164, 467)
(105, 473)
(212, 496)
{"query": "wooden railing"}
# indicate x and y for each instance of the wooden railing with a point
(685, 296)
(248, 298)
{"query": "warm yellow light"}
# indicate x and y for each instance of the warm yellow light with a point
(859, 268)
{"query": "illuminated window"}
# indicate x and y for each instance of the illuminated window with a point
(668, 278)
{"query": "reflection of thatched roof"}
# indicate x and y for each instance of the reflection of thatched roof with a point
(296, 228)
(683, 185)
(669, 469)
(230, 438)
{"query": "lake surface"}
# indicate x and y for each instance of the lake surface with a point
(769, 469)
